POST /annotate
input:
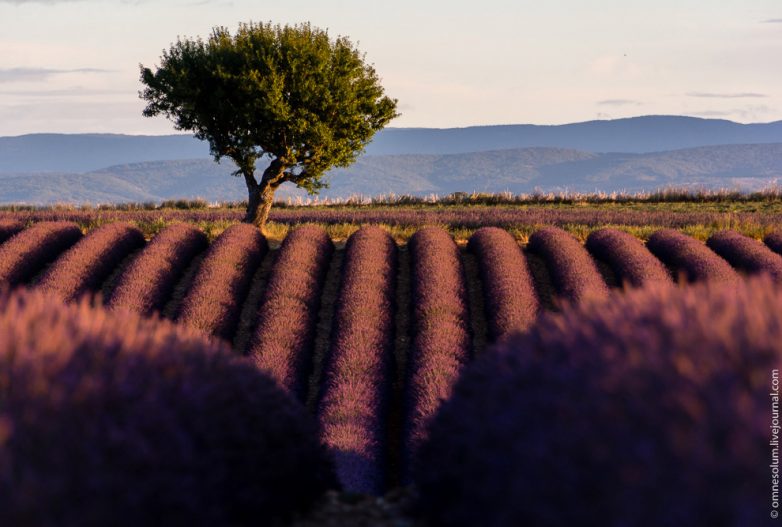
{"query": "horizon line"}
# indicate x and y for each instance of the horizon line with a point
(496, 125)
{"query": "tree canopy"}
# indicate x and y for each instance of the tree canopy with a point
(289, 95)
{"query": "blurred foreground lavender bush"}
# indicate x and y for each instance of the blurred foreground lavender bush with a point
(650, 409)
(117, 420)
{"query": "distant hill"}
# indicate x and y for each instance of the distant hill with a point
(516, 170)
(87, 152)
(633, 135)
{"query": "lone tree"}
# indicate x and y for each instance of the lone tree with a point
(286, 95)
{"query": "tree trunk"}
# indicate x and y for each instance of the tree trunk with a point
(261, 196)
(258, 206)
(253, 203)
(265, 200)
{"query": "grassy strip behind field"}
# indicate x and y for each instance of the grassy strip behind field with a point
(640, 217)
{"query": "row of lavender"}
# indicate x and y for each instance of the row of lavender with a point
(355, 394)
(458, 217)
(215, 295)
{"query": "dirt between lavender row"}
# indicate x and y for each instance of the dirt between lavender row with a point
(336, 509)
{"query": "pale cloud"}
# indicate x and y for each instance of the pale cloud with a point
(75, 91)
(773, 21)
(21, 2)
(712, 113)
(132, 2)
(755, 113)
(747, 113)
(619, 102)
(8, 75)
(737, 95)
(78, 115)
(48, 2)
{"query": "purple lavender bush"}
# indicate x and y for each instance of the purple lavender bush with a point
(213, 303)
(773, 241)
(632, 262)
(687, 256)
(283, 340)
(648, 409)
(84, 267)
(441, 336)
(573, 271)
(8, 228)
(357, 371)
(148, 282)
(25, 254)
(110, 419)
(746, 254)
(509, 293)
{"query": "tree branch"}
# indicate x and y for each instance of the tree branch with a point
(249, 179)
(273, 176)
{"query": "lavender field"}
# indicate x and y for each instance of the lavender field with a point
(368, 337)
(425, 264)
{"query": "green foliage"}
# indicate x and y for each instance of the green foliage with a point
(287, 93)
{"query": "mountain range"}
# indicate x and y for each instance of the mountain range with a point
(747, 167)
(637, 154)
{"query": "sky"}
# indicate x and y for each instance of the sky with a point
(72, 66)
